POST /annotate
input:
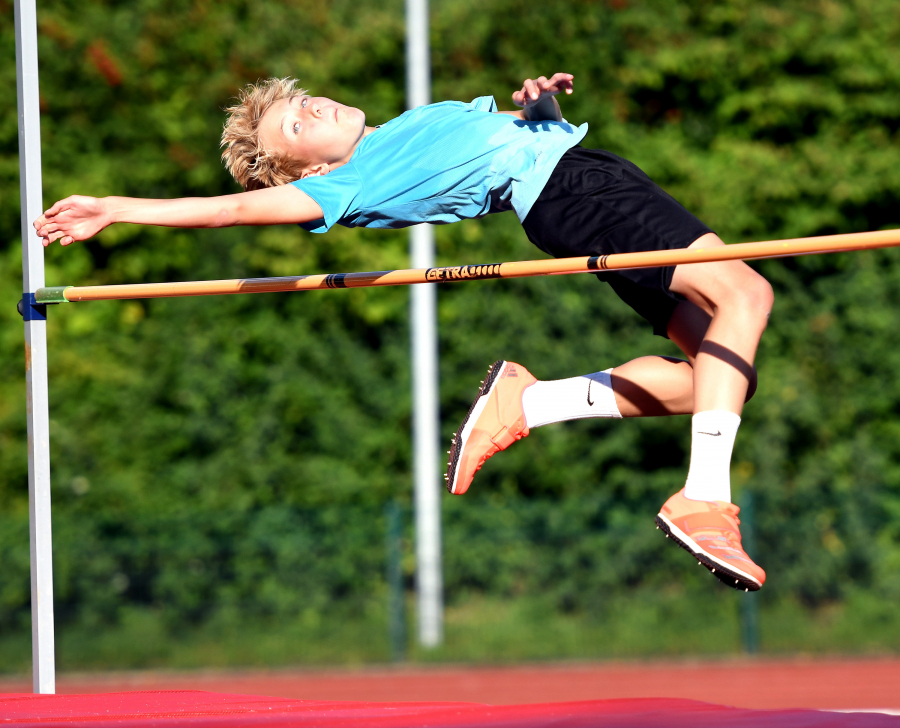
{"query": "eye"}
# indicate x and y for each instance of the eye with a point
(296, 128)
(303, 102)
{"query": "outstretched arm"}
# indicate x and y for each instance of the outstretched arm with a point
(79, 218)
(537, 97)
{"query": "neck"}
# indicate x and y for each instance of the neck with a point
(334, 165)
(366, 131)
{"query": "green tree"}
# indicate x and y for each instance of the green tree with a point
(230, 456)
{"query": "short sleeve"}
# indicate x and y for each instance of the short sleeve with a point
(484, 103)
(337, 193)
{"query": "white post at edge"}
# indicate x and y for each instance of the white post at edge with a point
(42, 647)
(423, 325)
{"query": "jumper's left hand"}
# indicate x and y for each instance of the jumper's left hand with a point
(533, 90)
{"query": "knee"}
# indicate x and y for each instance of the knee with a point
(763, 295)
(754, 297)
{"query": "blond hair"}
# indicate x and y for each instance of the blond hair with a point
(251, 165)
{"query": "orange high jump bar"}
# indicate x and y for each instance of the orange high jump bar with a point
(451, 274)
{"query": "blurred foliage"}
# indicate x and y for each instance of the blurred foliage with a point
(226, 460)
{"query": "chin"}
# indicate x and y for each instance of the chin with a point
(357, 114)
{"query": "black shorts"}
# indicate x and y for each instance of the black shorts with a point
(596, 203)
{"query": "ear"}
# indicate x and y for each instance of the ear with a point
(316, 170)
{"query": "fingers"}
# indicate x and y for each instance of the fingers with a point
(51, 212)
(520, 97)
(58, 207)
(49, 238)
(534, 89)
(48, 227)
(50, 232)
(562, 82)
(61, 222)
(530, 92)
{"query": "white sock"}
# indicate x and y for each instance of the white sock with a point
(712, 440)
(570, 399)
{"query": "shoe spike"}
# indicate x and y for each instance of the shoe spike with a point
(713, 571)
(746, 590)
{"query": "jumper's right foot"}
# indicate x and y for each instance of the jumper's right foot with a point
(708, 530)
(495, 421)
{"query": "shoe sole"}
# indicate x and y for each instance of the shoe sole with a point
(728, 575)
(468, 424)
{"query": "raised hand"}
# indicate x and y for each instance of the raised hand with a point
(533, 90)
(74, 218)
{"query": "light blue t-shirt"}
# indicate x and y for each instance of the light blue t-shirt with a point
(441, 163)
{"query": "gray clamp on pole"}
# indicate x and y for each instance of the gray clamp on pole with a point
(31, 310)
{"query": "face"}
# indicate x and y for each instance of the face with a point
(313, 128)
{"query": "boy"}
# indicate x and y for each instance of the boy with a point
(313, 161)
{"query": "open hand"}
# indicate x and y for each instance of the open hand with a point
(71, 219)
(533, 90)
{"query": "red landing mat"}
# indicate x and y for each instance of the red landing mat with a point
(198, 708)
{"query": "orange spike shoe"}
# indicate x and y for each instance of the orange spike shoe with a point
(709, 531)
(494, 422)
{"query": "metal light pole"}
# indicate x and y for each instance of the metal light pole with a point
(42, 648)
(423, 324)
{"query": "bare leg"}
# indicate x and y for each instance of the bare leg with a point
(738, 301)
(718, 328)
(656, 386)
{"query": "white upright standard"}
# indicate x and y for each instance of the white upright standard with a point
(423, 325)
(42, 649)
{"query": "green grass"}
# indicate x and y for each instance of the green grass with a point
(527, 630)
(647, 625)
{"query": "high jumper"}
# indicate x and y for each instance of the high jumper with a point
(314, 162)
